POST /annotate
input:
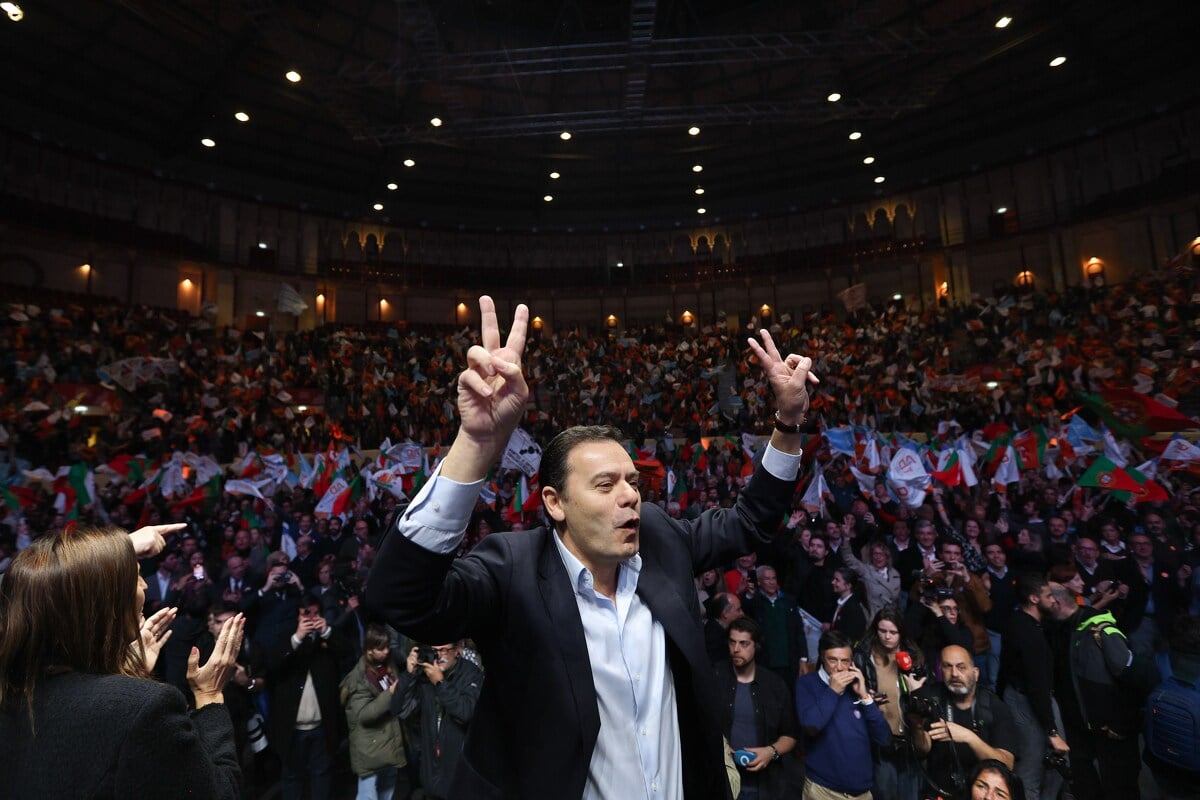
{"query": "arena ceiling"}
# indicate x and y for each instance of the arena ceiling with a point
(934, 87)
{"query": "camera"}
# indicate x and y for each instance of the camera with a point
(284, 577)
(930, 590)
(920, 706)
(1058, 761)
(425, 655)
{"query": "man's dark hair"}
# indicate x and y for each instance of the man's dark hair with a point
(748, 625)
(1030, 584)
(717, 605)
(821, 536)
(943, 543)
(832, 640)
(309, 600)
(553, 472)
(848, 576)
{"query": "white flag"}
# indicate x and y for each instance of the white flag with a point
(907, 477)
(1007, 472)
(815, 494)
(290, 301)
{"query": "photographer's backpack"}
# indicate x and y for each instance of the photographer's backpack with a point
(1173, 723)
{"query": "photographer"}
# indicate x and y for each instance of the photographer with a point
(443, 688)
(948, 571)
(937, 623)
(273, 607)
(957, 724)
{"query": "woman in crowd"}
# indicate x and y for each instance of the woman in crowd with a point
(880, 580)
(79, 714)
(896, 772)
(991, 780)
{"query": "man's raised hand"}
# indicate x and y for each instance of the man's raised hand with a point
(789, 377)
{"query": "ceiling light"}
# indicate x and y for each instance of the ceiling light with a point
(1002, 210)
(869, 160)
(436, 122)
(699, 190)
(262, 245)
(620, 263)
(991, 384)
(896, 296)
(77, 409)
(241, 116)
(14, 11)
(697, 168)
(393, 187)
(565, 136)
(208, 142)
(548, 197)
(260, 313)
(1058, 61)
(879, 179)
(855, 136)
(554, 176)
(693, 131)
(701, 210)
(408, 162)
(1003, 22)
(292, 76)
(378, 206)
(834, 97)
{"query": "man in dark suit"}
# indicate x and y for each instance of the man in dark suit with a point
(303, 677)
(598, 684)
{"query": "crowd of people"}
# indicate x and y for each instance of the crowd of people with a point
(957, 630)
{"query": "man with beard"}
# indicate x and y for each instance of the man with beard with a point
(760, 720)
(444, 692)
(970, 724)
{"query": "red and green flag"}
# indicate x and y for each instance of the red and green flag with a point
(18, 497)
(1148, 491)
(1134, 416)
(1030, 445)
(1104, 474)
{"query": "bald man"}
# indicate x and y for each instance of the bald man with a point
(972, 724)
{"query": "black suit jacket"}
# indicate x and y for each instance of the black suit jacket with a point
(537, 720)
(287, 671)
(108, 736)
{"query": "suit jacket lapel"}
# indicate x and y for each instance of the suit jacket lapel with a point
(654, 587)
(558, 595)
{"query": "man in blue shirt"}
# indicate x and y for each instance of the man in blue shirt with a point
(840, 720)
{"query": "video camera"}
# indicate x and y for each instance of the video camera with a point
(931, 590)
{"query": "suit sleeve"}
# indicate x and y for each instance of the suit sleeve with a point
(171, 754)
(404, 701)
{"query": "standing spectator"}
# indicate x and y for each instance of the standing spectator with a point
(849, 616)
(880, 580)
(1092, 569)
(840, 721)
(760, 719)
(376, 741)
(1027, 679)
(722, 608)
(783, 643)
(443, 692)
(1001, 586)
(1158, 591)
(305, 713)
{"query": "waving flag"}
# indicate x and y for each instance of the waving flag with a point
(1006, 469)
(816, 493)
(907, 478)
(1104, 474)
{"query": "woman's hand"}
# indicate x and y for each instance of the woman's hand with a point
(155, 630)
(150, 541)
(208, 682)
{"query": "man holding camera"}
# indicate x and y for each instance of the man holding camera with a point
(443, 688)
(840, 720)
(957, 724)
(760, 726)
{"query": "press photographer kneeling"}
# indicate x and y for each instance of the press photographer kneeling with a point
(958, 724)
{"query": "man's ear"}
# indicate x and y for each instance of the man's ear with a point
(552, 501)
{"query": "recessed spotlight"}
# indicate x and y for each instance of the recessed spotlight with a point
(548, 197)
(880, 179)
(693, 131)
(554, 176)
(834, 97)
(855, 135)
(378, 206)
(13, 10)
(292, 76)
(992, 384)
(241, 116)
(1004, 22)
(896, 296)
(620, 263)
(436, 122)
(262, 245)
(260, 313)
(697, 168)
(1058, 61)
(393, 187)
(701, 210)
(869, 160)
(699, 190)
(565, 136)
(208, 142)
(408, 162)
(1002, 210)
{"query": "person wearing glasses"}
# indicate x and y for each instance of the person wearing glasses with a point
(442, 688)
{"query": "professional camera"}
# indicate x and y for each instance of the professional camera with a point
(1058, 761)
(284, 577)
(931, 590)
(920, 706)
(426, 655)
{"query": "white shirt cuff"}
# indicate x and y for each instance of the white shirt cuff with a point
(785, 466)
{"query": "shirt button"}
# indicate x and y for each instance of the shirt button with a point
(637, 677)
(643, 731)
(437, 506)
(654, 786)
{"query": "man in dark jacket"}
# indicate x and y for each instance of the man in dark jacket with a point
(443, 692)
(305, 712)
(760, 718)
(1100, 715)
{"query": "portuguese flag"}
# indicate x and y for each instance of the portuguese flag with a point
(1104, 474)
